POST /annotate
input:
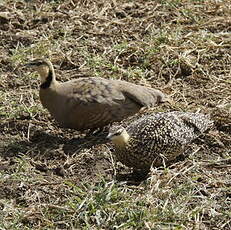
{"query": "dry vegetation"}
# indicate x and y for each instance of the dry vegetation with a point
(51, 178)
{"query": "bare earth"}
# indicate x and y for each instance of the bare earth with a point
(52, 178)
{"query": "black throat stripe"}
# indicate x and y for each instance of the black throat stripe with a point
(48, 81)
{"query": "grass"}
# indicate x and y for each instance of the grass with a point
(52, 178)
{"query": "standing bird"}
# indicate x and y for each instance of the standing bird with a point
(90, 102)
(156, 139)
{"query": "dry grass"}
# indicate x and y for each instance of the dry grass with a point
(52, 178)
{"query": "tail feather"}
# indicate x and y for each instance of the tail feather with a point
(160, 96)
(199, 121)
(144, 96)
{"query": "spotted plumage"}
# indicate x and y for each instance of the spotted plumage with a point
(157, 138)
(90, 103)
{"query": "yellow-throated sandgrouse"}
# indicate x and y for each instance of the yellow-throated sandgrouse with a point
(156, 138)
(90, 102)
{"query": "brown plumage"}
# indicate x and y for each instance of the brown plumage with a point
(89, 103)
(157, 138)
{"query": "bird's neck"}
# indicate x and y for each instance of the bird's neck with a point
(47, 78)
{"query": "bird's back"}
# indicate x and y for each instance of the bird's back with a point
(88, 103)
(161, 137)
(178, 126)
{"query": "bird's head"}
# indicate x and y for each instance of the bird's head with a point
(118, 135)
(43, 66)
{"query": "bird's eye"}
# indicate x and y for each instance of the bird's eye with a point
(117, 133)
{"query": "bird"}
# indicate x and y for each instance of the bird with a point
(91, 102)
(156, 139)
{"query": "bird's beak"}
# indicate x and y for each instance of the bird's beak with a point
(26, 66)
(29, 64)
(109, 136)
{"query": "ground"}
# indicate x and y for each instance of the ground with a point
(53, 178)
